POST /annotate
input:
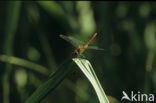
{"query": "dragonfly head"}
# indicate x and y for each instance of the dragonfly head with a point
(76, 52)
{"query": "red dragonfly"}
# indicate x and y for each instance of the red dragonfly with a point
(81, 46)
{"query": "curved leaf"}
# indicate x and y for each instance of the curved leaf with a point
(51, 83)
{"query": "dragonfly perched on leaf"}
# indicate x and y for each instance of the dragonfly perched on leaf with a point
(81, 46)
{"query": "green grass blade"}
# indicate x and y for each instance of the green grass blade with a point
(13, 13)
(52, 8)
(24, 63)
(88, 70)
(56, 10)
(48, 52)
(12, 18)
(51, 83)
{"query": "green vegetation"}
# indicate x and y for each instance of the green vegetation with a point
(37, 66)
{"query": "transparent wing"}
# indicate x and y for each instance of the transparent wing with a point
(72, 40)
(95, 48)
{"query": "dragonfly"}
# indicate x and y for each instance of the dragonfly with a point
(80, 46)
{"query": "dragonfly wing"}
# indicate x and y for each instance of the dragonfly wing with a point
(95, 48)
(72, 40)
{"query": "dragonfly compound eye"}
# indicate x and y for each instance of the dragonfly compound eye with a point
(75, 52)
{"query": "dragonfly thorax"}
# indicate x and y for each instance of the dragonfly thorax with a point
(79, 50)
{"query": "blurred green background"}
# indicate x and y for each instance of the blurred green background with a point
(31, 49)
